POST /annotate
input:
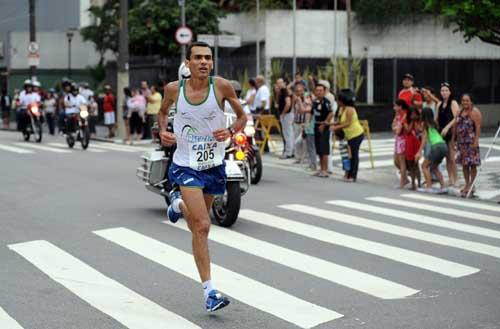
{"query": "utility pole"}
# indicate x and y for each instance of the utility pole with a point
(123, 58)
(32, 33)
(182, 3)
(294, 61)
(349, 45)
(257, 39)
(334, 89)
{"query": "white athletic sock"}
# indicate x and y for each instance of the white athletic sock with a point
(207, 287)
(176, 205)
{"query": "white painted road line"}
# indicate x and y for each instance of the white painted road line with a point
(342, 275)
(6, 322)
(113, 147)
(461, 203)
(43, 148)
(420, 260)
(65, 146)
(242, 288)
(476, 247)
(418, 218)
(134, 148)
(15, 149)
(438, 209)
(124, 305)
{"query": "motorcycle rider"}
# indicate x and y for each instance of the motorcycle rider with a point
(198, 162)
(72, 103)
(26, 97)
(61, 109)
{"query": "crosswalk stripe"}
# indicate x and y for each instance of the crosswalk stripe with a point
(417, 218)
(342, 275)
(61, 145)
(15, 149)
(43, 148)
(494, 147)
(110, 297)
(113, 148)
(6, 322)
(134, 148)
(377, 164)
(427, 262)
(476, 247)
(461, 203)
(242, 288)
(442, 210)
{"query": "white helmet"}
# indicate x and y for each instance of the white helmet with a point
(184, 72)
(28, 82)
(37, 83)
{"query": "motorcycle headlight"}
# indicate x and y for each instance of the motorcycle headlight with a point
(249, 131)
(84, 114)
(239, 155)
(34, 109)
(240, 139)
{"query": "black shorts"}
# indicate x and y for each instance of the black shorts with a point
(322, 141)
(135, 123)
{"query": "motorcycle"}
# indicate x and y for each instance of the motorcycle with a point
(33, 123)
(78, 123)
(253, 153)
(225, 208)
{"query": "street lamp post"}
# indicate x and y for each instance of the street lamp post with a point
(69, 35)
(149, 25)
(294, 61)
(257, 39)
(182, 3)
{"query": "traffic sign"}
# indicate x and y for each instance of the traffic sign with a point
(33, 47)
(183, 35)
(223, 40)
(34, 59)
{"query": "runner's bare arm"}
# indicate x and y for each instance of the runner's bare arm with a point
(225, 89)
(171, 90)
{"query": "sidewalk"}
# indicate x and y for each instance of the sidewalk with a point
(385, 174)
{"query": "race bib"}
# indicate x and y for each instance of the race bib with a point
(205, 154)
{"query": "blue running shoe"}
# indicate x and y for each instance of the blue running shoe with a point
(172, 215)
(215, 301)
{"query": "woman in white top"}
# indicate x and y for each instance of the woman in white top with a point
(49, 106)
(430, 100)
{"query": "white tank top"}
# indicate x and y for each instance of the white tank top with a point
(194, 125)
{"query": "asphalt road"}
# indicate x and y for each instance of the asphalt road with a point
(84, 245)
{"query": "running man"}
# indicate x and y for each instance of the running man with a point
(198, 164)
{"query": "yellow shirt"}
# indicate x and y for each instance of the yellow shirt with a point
(354, 129)
(154, 103)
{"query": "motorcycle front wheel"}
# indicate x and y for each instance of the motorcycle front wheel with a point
(85, 138)
(38, 131)
(26, 136)
(256, 167)
(226, 208)
(70, 140)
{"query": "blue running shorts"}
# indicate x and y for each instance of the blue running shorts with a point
(211, 181)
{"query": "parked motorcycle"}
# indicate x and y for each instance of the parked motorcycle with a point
(225, 208)
(78, 123)
(33, 123)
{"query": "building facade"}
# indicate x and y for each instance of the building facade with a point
(53, 18)
(428, 50)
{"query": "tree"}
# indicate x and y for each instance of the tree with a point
(474, 18)
(104, 32)
(384, 13)
(164, 17)
(202, 16)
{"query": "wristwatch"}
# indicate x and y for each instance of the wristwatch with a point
(231, 131)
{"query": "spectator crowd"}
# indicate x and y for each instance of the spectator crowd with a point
(428, 127)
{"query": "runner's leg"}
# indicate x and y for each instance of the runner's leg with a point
(195, 211)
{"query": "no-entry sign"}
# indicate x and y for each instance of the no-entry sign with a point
(183, 35)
